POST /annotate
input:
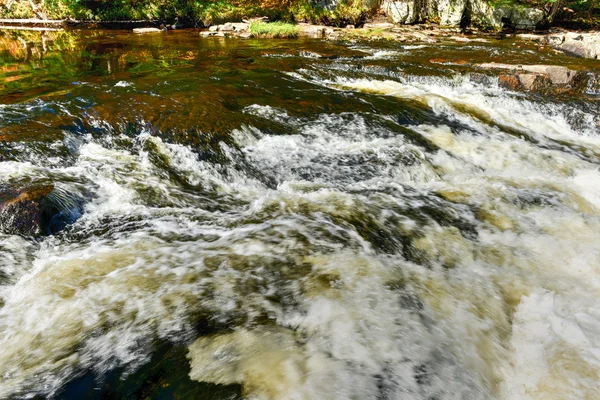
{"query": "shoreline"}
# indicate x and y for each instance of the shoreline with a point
(370, 24)
(579, 43)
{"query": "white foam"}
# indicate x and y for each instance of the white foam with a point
(502, 304)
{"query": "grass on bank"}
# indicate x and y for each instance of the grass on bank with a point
(273, 29)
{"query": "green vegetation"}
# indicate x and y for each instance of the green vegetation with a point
(274, 29)
(582, 13)
(193, 11)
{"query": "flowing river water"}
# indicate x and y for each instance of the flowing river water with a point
(297, 219)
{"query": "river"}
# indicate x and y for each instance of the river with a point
(297, 219)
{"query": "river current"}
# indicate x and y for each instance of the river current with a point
(297, 220)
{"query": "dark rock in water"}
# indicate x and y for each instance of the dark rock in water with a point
(36, 210)
(21, 210)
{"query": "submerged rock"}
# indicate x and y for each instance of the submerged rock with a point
(36, 210)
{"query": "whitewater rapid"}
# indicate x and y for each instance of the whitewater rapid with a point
(356, 257)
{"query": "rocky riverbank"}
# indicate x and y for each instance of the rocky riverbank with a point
(576, 43)
(543, 78)
(586, 45)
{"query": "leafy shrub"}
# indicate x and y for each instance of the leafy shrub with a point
(274, 29)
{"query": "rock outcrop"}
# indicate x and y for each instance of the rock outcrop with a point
(585, 45)
(463, 13)
(402, 11)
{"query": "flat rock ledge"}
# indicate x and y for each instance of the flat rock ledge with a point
(585, 45)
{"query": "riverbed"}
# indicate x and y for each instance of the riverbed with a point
(298, 219)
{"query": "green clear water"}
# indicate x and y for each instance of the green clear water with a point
(298, 219)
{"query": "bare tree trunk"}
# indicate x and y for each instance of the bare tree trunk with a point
(555, 10)
(590, 10)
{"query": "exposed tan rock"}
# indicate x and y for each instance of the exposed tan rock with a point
(460, 39)
(227, 27)
(147, 30)
(240, 26)
(378, 25)
(543, 78)
(533, 37)
(527, 80)
(558, 75)
(509, 81)
(585, 45)
(493, 65)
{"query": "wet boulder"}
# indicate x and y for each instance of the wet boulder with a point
(36, 210)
